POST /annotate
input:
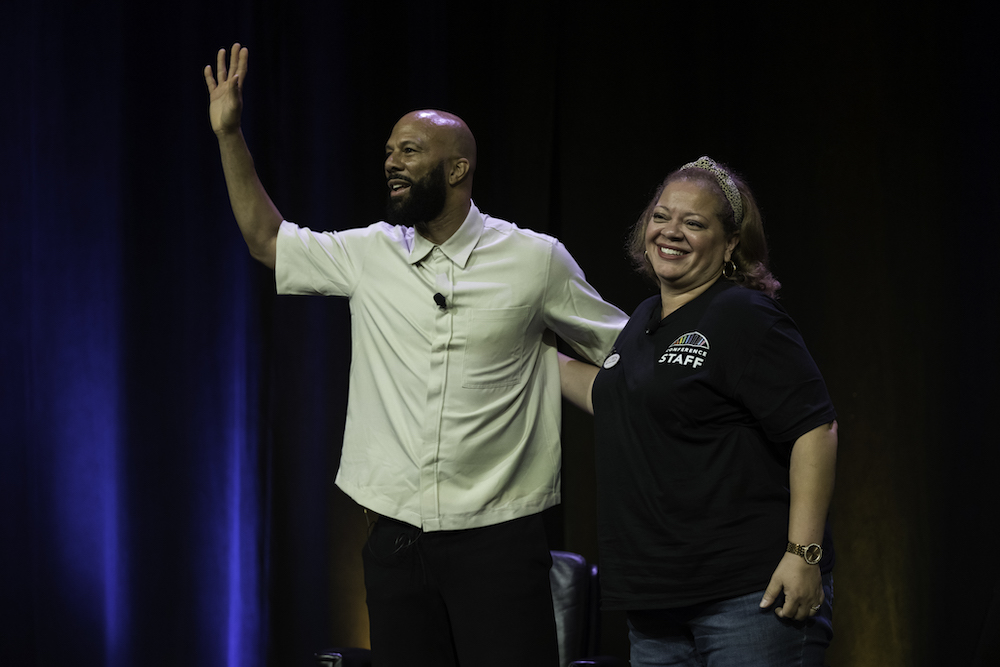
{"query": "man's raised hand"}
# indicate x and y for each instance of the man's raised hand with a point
(225, 95)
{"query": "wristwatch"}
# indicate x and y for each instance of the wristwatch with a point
(812, 553)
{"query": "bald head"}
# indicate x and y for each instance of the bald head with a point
(447, 133)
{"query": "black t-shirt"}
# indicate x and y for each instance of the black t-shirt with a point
(694, 421)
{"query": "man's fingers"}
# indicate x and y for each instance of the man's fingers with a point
(244, 61)
(220, 65)
(209, 79)
(235, 55)
(236, 69)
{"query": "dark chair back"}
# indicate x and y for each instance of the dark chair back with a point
(575, 601)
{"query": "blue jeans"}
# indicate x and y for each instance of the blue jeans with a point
(731, 633)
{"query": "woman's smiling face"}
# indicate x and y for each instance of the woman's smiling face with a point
(685, 241)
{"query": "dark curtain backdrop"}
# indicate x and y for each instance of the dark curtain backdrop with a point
(171, 430)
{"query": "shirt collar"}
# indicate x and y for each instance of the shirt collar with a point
(461, 244)
(654, 316)
(655, 320)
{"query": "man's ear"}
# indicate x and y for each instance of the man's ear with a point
(459, 171)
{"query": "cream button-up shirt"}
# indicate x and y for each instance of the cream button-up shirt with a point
(453, 412)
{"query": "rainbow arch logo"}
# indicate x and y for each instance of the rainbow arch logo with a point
(692, 339)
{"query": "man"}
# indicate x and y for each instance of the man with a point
(452, 433)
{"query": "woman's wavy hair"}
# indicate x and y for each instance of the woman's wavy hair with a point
(750, 255)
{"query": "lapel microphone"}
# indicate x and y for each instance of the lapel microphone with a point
(439, 300)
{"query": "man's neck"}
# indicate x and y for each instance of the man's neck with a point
(443, 227)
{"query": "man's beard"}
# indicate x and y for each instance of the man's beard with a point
(421, 204)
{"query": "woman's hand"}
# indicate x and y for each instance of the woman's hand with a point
(802, 585)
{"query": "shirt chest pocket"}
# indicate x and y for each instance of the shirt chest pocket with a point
(494, 347)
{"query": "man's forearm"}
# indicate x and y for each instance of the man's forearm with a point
(256, 214)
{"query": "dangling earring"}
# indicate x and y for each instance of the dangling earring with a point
(728, 268)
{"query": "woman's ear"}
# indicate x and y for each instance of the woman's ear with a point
(731, 246)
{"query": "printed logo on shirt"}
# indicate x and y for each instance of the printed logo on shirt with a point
(691, 349)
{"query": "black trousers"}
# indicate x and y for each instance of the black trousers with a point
(469, 598)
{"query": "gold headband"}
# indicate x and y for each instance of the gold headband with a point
(725, 182)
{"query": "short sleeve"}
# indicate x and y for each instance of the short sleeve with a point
(575, 310)
(781, 385)
(324, 263)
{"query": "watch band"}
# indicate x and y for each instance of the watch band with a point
(811, 553)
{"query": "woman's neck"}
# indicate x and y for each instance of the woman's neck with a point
(671, 300)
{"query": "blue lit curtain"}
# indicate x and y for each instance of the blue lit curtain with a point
(170, 430)
(133, 496)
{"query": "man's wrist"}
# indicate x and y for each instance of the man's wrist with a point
(229, 133)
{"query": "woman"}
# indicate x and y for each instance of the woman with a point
(716, 445)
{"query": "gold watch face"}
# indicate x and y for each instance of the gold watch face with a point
(813, 554)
